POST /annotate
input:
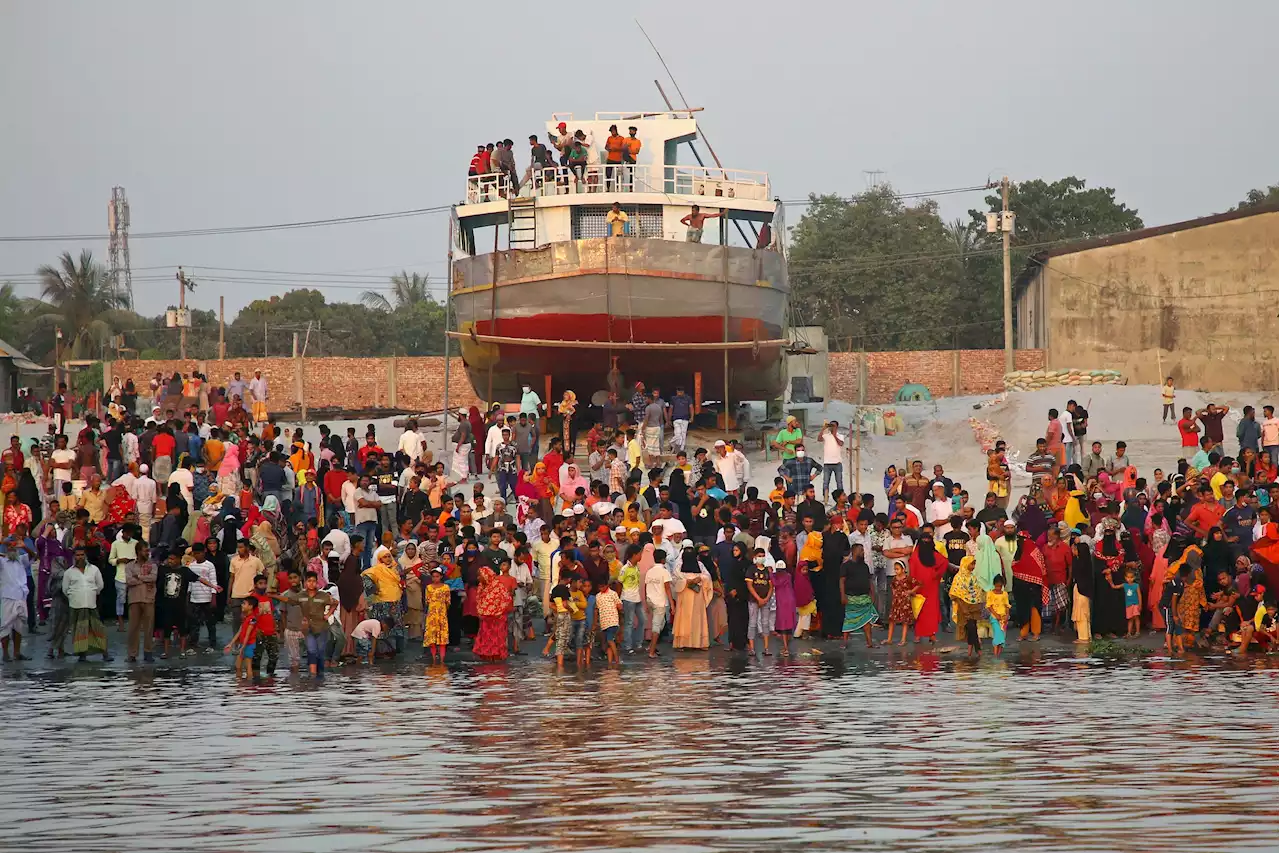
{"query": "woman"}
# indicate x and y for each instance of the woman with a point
(966, 596)
(855, 594)
(1030, 592)
(784, 596)
(679, 491)
(351, 601)
(411, 569)
(476, 423)
(15, 513)
(892, 483)
(1108, 600)
(229, 522)
(1083, 573)
(927, 567)
(493, 601)
(1217, 555)
(29, 493)
(717, 612)
(570, 482)
(546, 488)
(1265, 471)
(734, 576)
(229, 469)
(383, 590)
(690, 629)
(462, 441)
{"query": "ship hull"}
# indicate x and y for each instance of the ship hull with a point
(621, 294)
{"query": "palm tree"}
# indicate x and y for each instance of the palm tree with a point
(81, 300)
(407, 289)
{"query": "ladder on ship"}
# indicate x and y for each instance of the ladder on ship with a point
(522, 222)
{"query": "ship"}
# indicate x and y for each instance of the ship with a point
(545, 295)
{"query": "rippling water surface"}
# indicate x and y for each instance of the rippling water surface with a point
(696, 754)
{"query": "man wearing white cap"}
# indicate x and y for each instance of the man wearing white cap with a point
(144, 492)
(726, 467)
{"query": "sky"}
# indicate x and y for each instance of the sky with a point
(245, 113)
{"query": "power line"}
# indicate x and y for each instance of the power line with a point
(237, 229)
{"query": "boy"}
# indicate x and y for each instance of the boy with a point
(244, 639)
(1166, 397)
(608, 606)
(1169, 597)
(315, 608)
(291, 599)
(519, 580)
(682, 462)
(200, 592)
(657, 587)
(762, 612)
(561, 603)
(366, 635)
(578, 612)
(779, 489)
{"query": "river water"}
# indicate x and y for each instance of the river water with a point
(700, 753)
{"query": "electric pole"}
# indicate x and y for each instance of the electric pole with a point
(1006, 228)
(184, 284)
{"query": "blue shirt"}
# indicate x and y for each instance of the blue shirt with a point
(1131, 595)
(681, 407)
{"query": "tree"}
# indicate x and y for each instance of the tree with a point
(79, 299)
(13, 314)
(1260, 198)
(877, 273)
(407, 290)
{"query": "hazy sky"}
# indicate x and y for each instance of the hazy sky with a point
(240, 113)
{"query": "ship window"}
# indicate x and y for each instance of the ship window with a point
(645, 220)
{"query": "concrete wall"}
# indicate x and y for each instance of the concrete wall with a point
(1198, 304)
(417, 384)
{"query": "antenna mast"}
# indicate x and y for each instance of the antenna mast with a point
(118, 245)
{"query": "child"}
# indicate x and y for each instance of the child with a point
(578, 609)
(900, 613)
(682, 461)
(1132, 603)
(561, 605)
(244, 638)
(435, 635)
(366, 635)
(761, 608)
(779, 489)
(1169, 597)
(66, 501)
(998, 611)
(608, 606)
(1166, 397)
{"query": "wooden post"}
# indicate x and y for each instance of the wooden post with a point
(222, 329)
(955, 373)
(546, 401)
(697, 392)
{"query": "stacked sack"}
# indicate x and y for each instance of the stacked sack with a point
(1030, 380)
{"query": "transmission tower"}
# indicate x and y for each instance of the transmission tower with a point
(118, 244)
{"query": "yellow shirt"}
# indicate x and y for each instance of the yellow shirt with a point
(214, 450)
(775, 497)
(1215, 482)
(1166, 393)
(634, 525)
(96, 504)
(998, 604)
(579, 605)
(634, 453)
(617, 223)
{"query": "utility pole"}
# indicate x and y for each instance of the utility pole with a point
(184, 284)
(1006, 228)
(222, 328)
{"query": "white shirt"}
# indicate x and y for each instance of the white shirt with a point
(1068, 435)
(728, 470)
(366, 513)
(129, 482)
(62, 474)
(366, 629)
(198, 592)
(831, 450)
(411, 444)
(13, 577)
(82, 586)
(891, 544)
(145, 489)
(654, 585)
(258, 388)
(341, 543)
(524, 580)
(129, 448)
(349, 497)
(492, 439)
(937, 511)
(185, 483)
(863, 539)
(672, 526)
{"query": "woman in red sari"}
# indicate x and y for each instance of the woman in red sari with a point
(927, 567)
(1030, 593)
(493, 601)
(478, 432)
(119, 507)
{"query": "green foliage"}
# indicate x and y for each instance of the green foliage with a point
(88, 379)
(79, 299)
(13, 315)
(1114, 649)
(1260, 197)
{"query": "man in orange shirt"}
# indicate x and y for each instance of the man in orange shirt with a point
(614, 147)
(1205, 515)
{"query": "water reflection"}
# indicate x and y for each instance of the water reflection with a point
(916, 753)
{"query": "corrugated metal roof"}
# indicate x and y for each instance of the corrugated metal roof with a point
(20, 360)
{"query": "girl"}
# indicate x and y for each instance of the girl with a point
(1132, 603)
(902, 588)
(244, 639)
(998, 613)
(435, 636)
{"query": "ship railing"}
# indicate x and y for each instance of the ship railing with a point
(621, 178)
(708, 181)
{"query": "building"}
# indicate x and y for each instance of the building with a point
(14, 363)
(1195, 300)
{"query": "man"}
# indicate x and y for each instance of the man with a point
(387, 487)
(411, 441)
(916, 486)
(832, 458)
(992, 516)
(681, 412)
(338, 539)
(787, 438)
(616, 219)
(506, 464)
(1007, 548)
(1079, 424)
(1204, 458)
(61, 463)
(725, 467)
(236, 387)
(1040, 463)
(1066, 420)
(1211, 416)
(614, 146)
(1206, 514)
(1093, 463)
(657, 587)
(1271, 433)
(140, 581)
(1120, 462)
(258, 390)
(15, 584)
(243, 568)
(540, 159)
(799, 470)
(367, 505)
(82, 582)
(1249, 431)
(200, 594)
(695, 219)
(811, 507)
(652, 420)
(271, 478)
(124, 551)
(1238, 523)
(896, 550)
(492, 438)
(505, 164)
(525, 438)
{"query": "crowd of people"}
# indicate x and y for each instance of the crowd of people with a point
(569, 161)
(206, 513)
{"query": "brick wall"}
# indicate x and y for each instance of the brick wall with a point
(943, 372)
(417, 384)
(351, 383)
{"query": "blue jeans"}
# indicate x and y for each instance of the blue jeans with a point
(829, 470)
(632, 630)
(316, 650)
(1069, 452)
(506, 484)
(368, 530)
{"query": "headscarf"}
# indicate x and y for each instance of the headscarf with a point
(569, 484)
(1032, 521)
(477, 424)
(965, 586)
(230, 463)
(987, 564)
(173, 497)
(543, 484)
(926, 554)
(1082, 569)
(385, 579)
(1217, 553)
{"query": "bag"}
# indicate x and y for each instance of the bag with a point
(917, 604)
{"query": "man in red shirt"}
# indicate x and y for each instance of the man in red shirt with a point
(1205, 515)
(370, 447)
(13, 459)
(477, 161)
(1057, 565)
(1189, 430)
